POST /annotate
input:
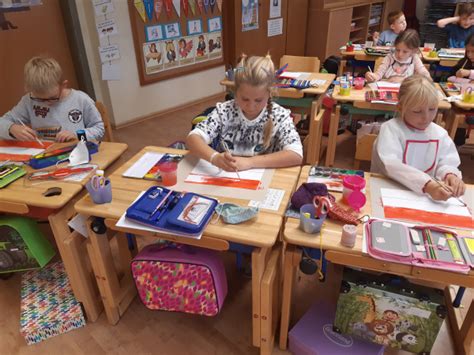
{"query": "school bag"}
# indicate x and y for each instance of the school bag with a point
(180, 278)
(331, 64)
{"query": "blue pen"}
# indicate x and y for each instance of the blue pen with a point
(165, 206)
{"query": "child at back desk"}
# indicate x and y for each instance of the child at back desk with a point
(51, 109)
(413, 150)
(258, 132)
(464, 69)
(459, 27)
(403, 63)
(397, 23)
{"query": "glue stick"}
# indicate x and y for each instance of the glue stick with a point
(348, 237)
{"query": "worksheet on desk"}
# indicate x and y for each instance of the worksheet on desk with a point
(206, 173)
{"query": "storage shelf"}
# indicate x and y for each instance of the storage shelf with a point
(355, 29)
(357, 39)
(375, 24)
(358, 18)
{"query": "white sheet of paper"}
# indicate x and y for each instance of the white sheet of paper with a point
(20, 150)
(107, 28)
(271, 201)
(203, 167)
(275, 27)
(409, 199)
(111, 71)
(143, 165)
(384, 85)
(318, 82)
(110, 52)
(78, 223)
(127, 223)
(294, 74)
(103, 7)
(275, 8)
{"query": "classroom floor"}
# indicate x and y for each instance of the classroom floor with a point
(141, 331)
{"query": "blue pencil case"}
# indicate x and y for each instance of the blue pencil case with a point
(46, 159)
(173, 212)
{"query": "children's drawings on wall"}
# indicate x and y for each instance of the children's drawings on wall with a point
(249, 15)
(201, 47)
(171, 59)
(214, 40)
(194, 27)
(215, 24)
(172, 30)
(153, 57)
(153, 33)
(186, 52)
(107, 28)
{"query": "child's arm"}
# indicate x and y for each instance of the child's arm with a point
(448, 163)
(380, 70)
(10, 126)
(419, 67)
(446, 21)
(282, 159)
(94, 126)
(198, 147)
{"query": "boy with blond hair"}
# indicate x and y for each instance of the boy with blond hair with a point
(50, 110)
(398, 24)
(459, 27)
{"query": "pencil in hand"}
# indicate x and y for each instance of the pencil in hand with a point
(448, 189)
(226, 148)
(24, 125)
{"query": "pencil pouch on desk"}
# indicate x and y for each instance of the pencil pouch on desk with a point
(173, 211)
(10, 173)
(51, 157)
(424, 246)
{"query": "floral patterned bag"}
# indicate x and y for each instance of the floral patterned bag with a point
(179, 278)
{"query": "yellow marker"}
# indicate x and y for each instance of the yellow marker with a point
(454, 248)
(306, 215)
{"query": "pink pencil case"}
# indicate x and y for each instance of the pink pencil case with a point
(419, 245)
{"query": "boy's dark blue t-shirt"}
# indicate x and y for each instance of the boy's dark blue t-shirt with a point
(457, 35)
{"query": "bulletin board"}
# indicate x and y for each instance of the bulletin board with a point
(169, 45)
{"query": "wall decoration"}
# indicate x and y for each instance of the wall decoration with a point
(169, 45)
(249, 15)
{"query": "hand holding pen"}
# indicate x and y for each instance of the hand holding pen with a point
(229, 157)
(23, 133)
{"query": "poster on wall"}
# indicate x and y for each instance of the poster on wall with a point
(214, 41)
(153, 33)
(170, 57)
(249, 15)
(275, 8)
(194, 27)
(201, 47)
(186, 52)
(152, 53)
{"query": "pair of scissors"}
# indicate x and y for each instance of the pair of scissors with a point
(59, 173)
(97, 182)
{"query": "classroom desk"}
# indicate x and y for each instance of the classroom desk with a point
(445, 62)
(19, 198)
(340, 255)
(359, 55)
(357, 98)
(261, 233)
(459, 113)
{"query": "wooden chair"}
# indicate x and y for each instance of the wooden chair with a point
(313, 140)
(298, 63)
(109, 137)
(364, 149)
(378, 61)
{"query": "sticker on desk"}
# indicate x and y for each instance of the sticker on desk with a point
(380, 240)
(271, 201)
(386, 224)
(420, 248)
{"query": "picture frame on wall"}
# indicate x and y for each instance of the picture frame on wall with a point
(172, 30)
(194, 27)
(153, 33)
(214, 24)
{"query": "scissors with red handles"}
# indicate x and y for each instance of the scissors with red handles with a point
(59, 173)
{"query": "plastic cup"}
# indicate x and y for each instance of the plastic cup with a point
(345, 90)
(169, 173)
(359, 83)
(352, 193)
(308, 222)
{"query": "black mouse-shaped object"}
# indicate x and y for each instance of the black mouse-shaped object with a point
(308, 266)
(53, 191)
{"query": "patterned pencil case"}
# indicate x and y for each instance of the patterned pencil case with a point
(173, 211)
(419, 245)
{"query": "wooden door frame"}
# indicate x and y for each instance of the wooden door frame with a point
(76, 46)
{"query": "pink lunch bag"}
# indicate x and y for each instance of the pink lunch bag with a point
(180, 278)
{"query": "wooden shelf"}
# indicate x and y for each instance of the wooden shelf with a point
(355, 29)
(358, 18)
(357, 39)
(375, 24)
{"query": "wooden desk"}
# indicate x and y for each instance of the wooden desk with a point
(20, 198)
(261, 233)
(359, 55)
(459, 113)
(357, 98)
(446, 62)
(338, 254)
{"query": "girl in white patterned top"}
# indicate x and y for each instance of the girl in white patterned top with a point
(258, 132)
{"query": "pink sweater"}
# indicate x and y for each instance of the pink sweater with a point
(391, 67)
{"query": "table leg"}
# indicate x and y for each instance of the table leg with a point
(292, 257)
(463, 334)
(455, 124)
(259, 261)
(82, 284)
(332, 137)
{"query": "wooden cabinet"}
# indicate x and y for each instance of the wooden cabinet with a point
(332, 23)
